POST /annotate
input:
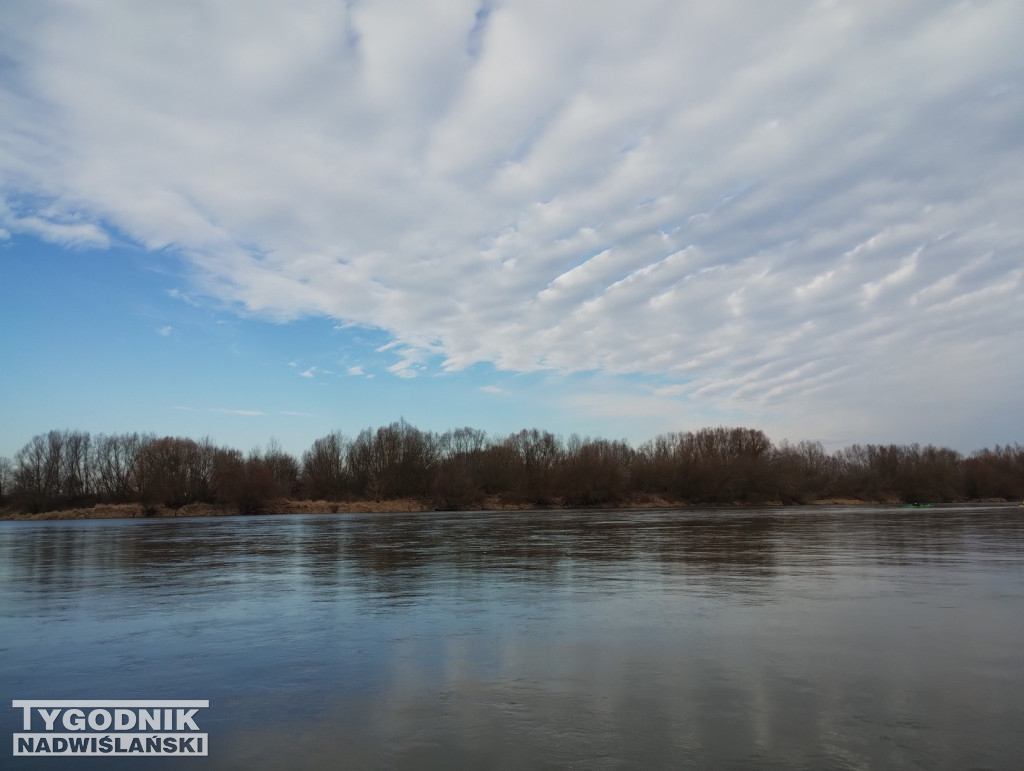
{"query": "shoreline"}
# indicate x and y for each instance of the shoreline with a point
(399, 505)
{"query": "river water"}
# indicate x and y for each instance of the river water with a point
(815, 637)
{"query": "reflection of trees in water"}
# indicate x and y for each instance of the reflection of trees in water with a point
(551, 548)
(320, 544)
(405, 555)
(53, 555)
(146, 553)
(908, 537)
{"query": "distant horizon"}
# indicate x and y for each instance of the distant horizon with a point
(616, 220)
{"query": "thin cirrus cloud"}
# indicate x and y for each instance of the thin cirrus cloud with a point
(224, 411)
(808, 211)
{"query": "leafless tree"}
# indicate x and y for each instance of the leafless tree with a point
(116, 457)
(176, 471)
(6, 478)
(324, 473)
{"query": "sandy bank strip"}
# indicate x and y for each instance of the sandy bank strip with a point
(407, 505)
(138, 511)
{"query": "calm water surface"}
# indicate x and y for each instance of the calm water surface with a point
(752, 639)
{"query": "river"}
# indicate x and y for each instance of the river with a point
(811, 637)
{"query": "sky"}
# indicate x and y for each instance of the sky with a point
(246, 219)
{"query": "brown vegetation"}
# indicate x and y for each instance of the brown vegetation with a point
(399, 467)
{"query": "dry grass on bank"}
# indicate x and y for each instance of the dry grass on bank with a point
(404, 505)
(138, 511)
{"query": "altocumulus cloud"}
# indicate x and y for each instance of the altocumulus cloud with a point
(808, 210)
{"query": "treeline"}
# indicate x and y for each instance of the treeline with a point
(464, 467)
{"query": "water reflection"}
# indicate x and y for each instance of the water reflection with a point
(408, 551)
(836, 638)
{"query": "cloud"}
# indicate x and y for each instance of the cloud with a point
(774, 209)
(165, 331)
(222, 411)
(55, 231)
(356, 371)
(311, 372)
(185, 297)
(492, 389)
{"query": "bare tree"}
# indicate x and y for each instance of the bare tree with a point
(535, 455)
(76, 470)
(37, 470)
(176, 471)
(245, 483)
(283, 468)
(115, 462)
(324, 473)
(6, 478)
(595, 471)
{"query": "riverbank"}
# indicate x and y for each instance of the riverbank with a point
(407, 505)
(139, 511)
